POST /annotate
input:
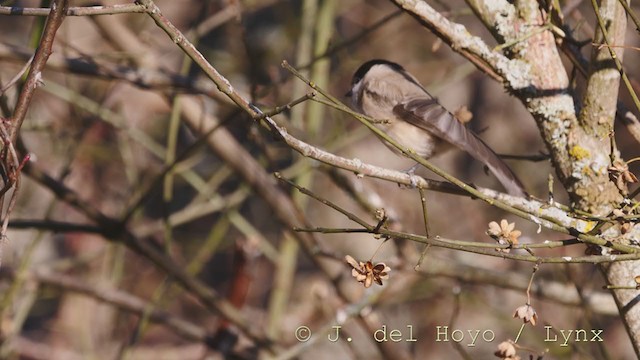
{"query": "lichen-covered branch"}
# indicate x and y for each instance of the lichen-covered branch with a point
(597, 118)
(580, 147)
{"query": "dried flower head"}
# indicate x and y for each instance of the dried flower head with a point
(463, 114)
(366, 272)
(504, 233)
(625, 225)
(527, 313)
(619, 173)
(506, 351)
(593, 250)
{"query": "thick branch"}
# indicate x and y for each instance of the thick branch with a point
(597, 118)
(579, 153)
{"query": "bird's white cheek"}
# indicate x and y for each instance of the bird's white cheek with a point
(355, 101)
(356, 96)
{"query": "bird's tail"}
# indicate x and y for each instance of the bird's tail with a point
(428, 114)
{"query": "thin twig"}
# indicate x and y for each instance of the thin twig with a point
(533, 158)
(489, 249)
(54, 226)
(452, 320)
(533, 273)
(34, 78)
(278, 109)
(17, 77)
(307, 192)
(425, 219)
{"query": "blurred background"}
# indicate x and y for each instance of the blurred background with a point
(106, 125)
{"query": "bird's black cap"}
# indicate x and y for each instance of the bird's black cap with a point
(364, 68)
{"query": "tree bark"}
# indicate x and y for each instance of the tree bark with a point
(597, 117)
(581, 146)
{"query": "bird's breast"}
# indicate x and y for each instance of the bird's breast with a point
(408, 136)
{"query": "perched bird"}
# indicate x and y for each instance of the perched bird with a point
(384, 90)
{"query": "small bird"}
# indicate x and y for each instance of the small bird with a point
(384, 90)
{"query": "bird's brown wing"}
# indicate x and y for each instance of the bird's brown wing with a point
(427, 114)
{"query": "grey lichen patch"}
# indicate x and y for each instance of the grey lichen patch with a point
(593, 190)
(556, 114)
(500, 7)
(588, 165)
(464, 39)
(581, 170)
(514, 24)
(591, 152)
(556, 134)
(600, 163)
(559, 106)
(504, 15)
(528, 10)
(517, 73)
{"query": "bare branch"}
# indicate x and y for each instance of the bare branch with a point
(34, 78)
(117, 298)
(74, 11)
